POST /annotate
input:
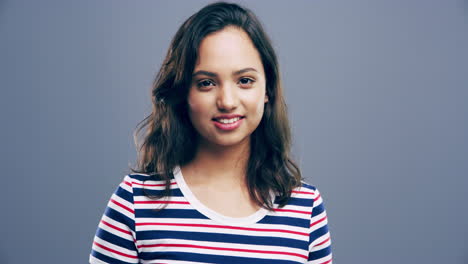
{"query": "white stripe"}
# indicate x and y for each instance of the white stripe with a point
(319, 224)
(168, 206)
(118, 208)
(227, 252)
(290, 214)
(116, 248)
(125, 186)
(222, 230)
(140, 198)
(318, 202)
(303, 196)
(298, 208)
(210, 222)
(319, 240)
(111, 230)
(146, 184)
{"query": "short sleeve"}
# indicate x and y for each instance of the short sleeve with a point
(114, 241)
(319, 237)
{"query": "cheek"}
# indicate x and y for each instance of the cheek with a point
(256, 106)
(260, 109)
(194, 103)
(198, 107)
(259, 103)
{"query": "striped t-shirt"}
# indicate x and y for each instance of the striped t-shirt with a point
(186, 231)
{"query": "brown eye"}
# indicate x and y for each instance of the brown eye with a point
(205, 83)
(246, 82)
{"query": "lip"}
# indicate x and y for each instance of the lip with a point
(228, 127)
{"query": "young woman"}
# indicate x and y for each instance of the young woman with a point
(215, 182)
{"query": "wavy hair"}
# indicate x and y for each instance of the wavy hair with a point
(169, 137)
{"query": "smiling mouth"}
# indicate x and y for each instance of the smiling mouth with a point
(228, 120)
(228, 124)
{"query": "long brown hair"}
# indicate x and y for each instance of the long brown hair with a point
(170, 139)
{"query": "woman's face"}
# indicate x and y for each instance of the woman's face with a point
(227, 94)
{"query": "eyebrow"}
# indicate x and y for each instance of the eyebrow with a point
(212, 74)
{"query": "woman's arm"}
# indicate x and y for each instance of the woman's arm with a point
(319, 240)
(114, 241)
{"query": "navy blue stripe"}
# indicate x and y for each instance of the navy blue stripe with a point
(124, 194)
(320, 253)
(308, 186)
(318, 233)
(194, 214)
(318, 210)
(107, 259)
(139, 177)
(300, 201)
(116, 240)
(285, 220)
(140, 191)
(183, 256)
(119, 217)
(220, 237)
(170, 213)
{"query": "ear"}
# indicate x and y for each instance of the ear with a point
(266, 98)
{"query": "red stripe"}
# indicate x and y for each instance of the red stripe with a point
(152, 185)
(226, 227)
(123, 206)
(323, 242)
(135, 241)
(116, 228)
(161, 202)
(326, 262)
(316, 198)
(128, 183)
(318, 221)
(115, 251)
(229, 249)
(301, 192)
(292, 211)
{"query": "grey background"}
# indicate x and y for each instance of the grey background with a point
(377, 94)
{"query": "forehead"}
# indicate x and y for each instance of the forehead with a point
(229, 49)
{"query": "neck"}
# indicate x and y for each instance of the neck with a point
(219, 164)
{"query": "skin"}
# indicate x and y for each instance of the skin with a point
(216, 176)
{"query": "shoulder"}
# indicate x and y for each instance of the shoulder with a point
(143, 180)
(146, 185)
(318, 216)
(305, 190)
(137, 177)
(302, 198)
(309, 194)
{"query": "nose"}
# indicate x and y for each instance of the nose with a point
(227, 99)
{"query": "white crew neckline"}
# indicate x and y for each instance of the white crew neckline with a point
(211, 214)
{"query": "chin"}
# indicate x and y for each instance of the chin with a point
(230, 142)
